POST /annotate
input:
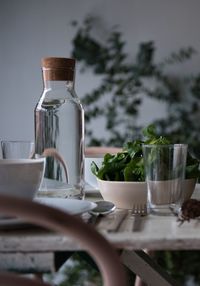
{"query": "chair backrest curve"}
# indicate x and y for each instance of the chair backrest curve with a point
(12, 279)
(97, 246)
(101, 151)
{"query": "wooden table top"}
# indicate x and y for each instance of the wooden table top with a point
(156, 233)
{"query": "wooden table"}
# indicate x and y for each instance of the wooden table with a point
(37, 250)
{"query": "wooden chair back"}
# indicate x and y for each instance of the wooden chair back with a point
(101, 151)
(12, 279)
(89, 239)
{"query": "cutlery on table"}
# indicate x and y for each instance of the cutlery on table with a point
(120, 217)
(138, 211)
(113, 221)
(103, 208)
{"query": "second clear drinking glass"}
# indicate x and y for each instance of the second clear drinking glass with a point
(165, 171)
(17, 149)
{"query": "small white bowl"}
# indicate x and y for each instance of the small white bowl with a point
(21, 177)
(123, 194)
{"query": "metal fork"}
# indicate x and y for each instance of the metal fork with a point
(138, 211)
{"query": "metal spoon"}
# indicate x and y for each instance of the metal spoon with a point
(103, 208)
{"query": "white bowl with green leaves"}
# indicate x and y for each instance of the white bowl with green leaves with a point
(121, 176)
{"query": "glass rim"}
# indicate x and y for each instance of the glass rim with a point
(17, 141)
(165, 145)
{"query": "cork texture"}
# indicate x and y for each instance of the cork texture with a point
(53, 62)
(58, 68)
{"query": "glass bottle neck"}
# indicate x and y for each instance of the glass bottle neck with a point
(58, 84)
(58, 78)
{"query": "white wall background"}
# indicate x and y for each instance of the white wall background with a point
(32, 29)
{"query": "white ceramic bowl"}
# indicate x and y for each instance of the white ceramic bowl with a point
(123, 194)
(21, 177)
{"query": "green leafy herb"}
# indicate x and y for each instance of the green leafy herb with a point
(128, 165)
(152, 138)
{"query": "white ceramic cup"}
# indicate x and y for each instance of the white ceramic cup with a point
(21, 177)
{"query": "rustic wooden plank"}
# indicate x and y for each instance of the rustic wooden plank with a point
(33, 249)
(27, 262)
(142, 265)
(158, 233)
(113, 222)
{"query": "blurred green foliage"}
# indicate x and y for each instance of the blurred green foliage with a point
(124, 84)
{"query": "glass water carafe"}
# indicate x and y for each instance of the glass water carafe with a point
(59, 126)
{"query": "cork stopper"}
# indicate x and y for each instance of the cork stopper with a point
(58, 68)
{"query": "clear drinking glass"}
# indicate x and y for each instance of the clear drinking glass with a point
(165, 171)
(17, 149)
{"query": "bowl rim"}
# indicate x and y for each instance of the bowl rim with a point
(121, 182)
(138, 182)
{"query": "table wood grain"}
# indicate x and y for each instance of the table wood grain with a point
(33, 246)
